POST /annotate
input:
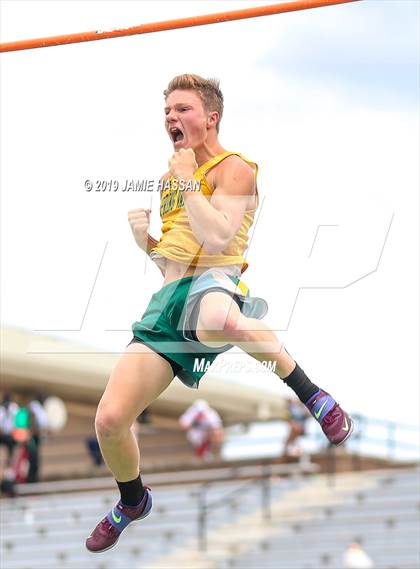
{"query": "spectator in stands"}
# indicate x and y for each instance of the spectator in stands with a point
(30, 425)
(204, 429)
(39, 429)
(94, 450)
(25, 461)
(297, 417)
(36, 406)
(8, 410)
(355, 557)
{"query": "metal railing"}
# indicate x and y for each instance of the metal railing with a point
(262, 476)
(389, 445)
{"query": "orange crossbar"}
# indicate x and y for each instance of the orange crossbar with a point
(171, 24)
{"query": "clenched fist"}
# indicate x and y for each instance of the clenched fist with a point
(139, 220)
(182, 164)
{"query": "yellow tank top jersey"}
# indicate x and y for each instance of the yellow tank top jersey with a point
(178, 243)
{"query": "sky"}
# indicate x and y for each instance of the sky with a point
(324, 100)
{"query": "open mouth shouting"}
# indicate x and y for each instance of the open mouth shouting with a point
(176, 135)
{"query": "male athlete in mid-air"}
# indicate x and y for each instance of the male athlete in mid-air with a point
(203, 308)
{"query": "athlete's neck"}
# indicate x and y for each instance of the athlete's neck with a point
(206, 151)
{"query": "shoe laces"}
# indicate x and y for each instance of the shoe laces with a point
(106, 527)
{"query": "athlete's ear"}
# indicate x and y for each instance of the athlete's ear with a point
(212, 119)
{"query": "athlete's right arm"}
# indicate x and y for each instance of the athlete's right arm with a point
(139, 220)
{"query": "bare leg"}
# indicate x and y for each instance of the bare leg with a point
(138, 379)
(220, 322)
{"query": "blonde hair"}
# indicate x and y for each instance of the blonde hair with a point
(207, 89)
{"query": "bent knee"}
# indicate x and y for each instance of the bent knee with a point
(110, 424)
(221, 326)
(219, 319)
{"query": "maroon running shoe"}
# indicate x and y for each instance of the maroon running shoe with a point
(108, 531)
(336, 423)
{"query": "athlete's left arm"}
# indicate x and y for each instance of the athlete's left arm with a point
(216, 222)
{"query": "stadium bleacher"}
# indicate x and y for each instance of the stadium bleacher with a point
(311, 524)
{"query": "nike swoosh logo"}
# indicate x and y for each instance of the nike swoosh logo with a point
(116, 519)
(346, 428)
(318, 413)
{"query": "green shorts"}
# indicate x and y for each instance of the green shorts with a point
(163, 326)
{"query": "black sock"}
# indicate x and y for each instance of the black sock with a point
(301, 384)
(132, 491)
